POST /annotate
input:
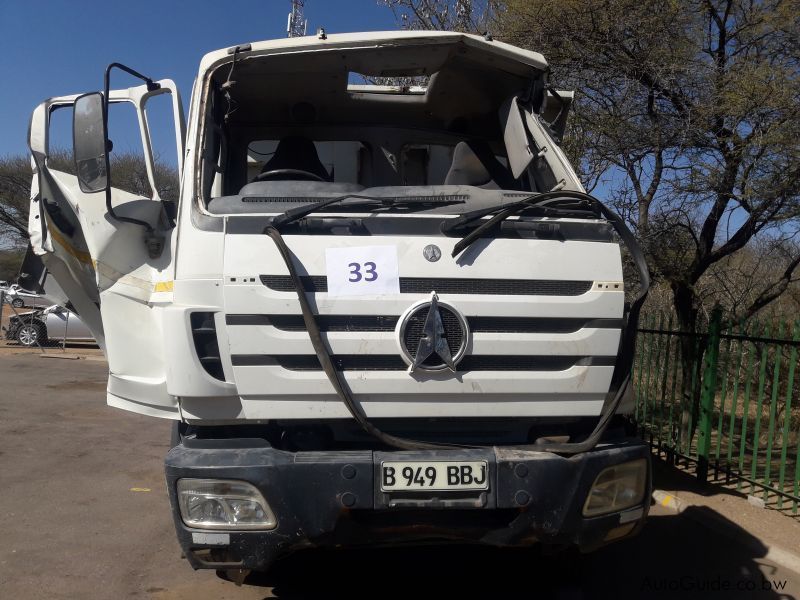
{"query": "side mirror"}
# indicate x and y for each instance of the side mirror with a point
(89, 143)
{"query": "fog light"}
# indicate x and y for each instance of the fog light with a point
(617, 488)
(223, 504)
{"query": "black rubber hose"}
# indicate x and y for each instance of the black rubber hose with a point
(335, 375)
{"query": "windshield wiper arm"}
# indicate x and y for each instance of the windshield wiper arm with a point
(556, 204)
(473, 215)
(294, 214)
(548, 203)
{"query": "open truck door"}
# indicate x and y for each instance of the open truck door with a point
(111, 257)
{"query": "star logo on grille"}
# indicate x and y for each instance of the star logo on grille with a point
(432, 253)
(433, 340)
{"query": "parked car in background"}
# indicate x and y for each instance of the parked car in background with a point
(52, 323)
(19, 297)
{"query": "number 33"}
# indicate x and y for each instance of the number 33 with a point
(369, 269)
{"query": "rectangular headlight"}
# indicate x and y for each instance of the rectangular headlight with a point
(223, 504)
(617, 488)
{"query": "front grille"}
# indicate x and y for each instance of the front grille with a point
(339, 323)
(442, 285)
(381, 362)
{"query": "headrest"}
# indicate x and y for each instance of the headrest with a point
(467, 168)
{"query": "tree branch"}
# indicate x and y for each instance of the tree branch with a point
(773, 290)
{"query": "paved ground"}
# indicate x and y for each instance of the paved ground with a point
(84, 514)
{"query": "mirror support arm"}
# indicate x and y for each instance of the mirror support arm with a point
(151, 86)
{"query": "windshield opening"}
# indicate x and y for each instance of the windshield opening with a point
(298, 128)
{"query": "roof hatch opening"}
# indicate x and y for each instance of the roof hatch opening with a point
(389, 82)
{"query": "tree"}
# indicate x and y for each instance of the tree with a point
(694, 121)
(127, 173)
(10, 262)
(687, 120)
(473, 16)
(694, 118)
(15, 189)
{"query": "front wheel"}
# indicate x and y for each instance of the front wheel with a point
(17, 303)
(29, 335)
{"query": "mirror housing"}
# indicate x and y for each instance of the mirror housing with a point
(90, 143)
(516, 137)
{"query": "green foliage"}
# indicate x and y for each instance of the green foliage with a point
(128, 172)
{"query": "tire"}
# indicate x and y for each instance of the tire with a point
(17, 303)
(30, 334)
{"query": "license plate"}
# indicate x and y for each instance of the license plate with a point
(434, 476)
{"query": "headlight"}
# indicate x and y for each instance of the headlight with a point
(617, 488)
(223, 504)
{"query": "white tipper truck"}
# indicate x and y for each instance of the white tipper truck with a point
(377, 314)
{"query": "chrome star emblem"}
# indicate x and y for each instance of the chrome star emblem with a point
(432, 253)
(433, 336)
(433, 340)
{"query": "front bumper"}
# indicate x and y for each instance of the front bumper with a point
(331, 498)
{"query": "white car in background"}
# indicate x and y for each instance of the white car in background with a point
(40, 327)
(19, 297)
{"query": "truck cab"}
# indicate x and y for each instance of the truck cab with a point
(382, 310)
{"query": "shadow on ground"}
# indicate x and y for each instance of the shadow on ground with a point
(669, 477)
(682, 478)
(673, 557)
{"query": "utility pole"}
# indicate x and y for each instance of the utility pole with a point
(296, 25)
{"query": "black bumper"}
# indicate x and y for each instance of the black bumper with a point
(331, 498)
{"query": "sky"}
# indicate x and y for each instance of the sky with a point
(60, 47)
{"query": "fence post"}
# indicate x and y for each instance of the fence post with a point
(707, 391)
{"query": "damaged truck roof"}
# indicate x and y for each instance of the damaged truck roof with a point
(392, 50)
(451, 75)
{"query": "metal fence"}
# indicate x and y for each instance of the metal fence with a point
(724, 401)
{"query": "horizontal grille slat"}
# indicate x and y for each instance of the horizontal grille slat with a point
(380, 362)
(341, 323)
(442, 285)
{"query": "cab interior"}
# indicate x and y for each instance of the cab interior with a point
(327, 122)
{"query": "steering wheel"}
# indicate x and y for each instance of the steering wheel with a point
(289, 174)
